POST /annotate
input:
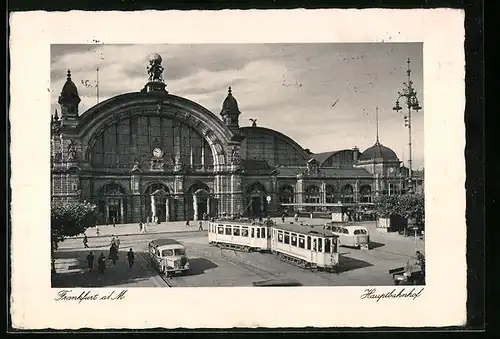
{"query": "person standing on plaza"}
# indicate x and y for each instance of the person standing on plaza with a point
(296, 217)
(97, 231)
(101, 263)
(283, 218)
(90, 260)
(85, 241)
(114, 221)
(140, 227)
(187, 223)
(130, 257)
(117, 243)
(200, 228)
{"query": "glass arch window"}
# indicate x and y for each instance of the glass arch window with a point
(312, 194)
(133, 139)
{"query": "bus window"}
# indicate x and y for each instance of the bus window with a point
(252, 232)
(263, 232)
(258, 233)
(287, 238)
(301, 241)
(327, 245)
(294, 239)
(220, 229)
(320, 244)
(228, 230)
(236, 231)
(308, 242)
(280, 236)
(244, 231)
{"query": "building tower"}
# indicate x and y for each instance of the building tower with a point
(230, 112)
(69, 101)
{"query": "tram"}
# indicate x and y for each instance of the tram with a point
(308, 247)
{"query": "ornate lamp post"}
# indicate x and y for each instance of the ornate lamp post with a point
(411, 101)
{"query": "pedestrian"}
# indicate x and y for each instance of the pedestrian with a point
(97, 231)
(85, 241)
(117, 243)
(140, 227)
(200, 228)
(283, 218)
(90, 260)
(114, 221)
(187, 223)
(130, 257)
(101, 263)
(296, 217)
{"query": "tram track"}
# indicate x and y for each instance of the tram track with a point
(261, 272)
(145, 257)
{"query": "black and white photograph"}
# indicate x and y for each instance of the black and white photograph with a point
(217, 165)
(225, 169)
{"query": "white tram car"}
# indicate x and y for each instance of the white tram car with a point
(303, 246)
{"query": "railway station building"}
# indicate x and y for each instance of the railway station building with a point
(152, 154)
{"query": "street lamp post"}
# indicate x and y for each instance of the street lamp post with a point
(412, 103)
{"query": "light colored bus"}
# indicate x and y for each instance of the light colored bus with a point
(350, 235)
(168, 256)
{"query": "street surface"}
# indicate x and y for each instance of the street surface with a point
(213, 267)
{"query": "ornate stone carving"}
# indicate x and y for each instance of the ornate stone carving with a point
(155, 69)
(72, 150)
(235, 156)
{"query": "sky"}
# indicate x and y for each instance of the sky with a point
(322, 95)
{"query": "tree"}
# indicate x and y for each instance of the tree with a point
(408, 206)
(71, 219)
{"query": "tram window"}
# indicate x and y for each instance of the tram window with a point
(244, 231)
(269, 233)
(236, 231)
(301, 241)
(220, 229)
(327, 245)
(287, 238)
(314, 244)
(258, 233)
(308, 243)
(334, 245)
(294, 239)
(320, 244)
(228, 230)
(253, 232)
(263, 232)
(280, 236)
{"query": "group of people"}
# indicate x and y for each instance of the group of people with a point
(113, 255)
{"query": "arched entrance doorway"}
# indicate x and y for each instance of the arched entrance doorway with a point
(256, 197)
(347, 194)
(112, 204)
(365, 193)
(200, 205)
(157, 202)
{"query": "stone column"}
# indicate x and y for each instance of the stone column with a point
(209, 204)
(153, 209)
(195, 207)
(106, 211)
(122, 210)
(167, 209)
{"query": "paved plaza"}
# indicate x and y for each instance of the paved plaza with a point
(212, 267)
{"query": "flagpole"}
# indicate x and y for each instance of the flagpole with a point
(97, 84)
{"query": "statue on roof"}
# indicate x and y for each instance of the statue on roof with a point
(155, 69)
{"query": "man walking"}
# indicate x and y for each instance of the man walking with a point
(90, 261)
(130, 257)
(85, 241)
(200, 228)
(187, 223)
(101, 263)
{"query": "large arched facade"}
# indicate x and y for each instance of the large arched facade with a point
(150, 155)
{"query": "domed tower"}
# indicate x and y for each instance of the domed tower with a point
(69, 101)
(230, 112)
